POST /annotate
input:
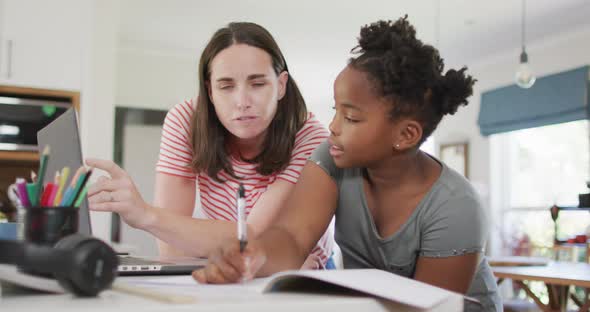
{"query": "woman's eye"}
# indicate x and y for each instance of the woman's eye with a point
(228, 87)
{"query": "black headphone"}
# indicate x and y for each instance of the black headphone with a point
(81, 264)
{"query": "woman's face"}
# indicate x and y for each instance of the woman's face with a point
(361, 132)
(245, 91)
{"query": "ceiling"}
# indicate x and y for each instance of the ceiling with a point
(467, 31)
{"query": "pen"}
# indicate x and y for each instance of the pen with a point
(242, 229)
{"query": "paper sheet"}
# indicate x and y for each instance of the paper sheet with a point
(187, 285)
(9, 273)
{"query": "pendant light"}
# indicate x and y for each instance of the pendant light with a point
(524, 77)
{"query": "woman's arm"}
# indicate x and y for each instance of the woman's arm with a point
(178, 195)
(170, 218)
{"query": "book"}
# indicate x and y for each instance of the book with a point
(399, 293)
(371, 282)
(396, 292)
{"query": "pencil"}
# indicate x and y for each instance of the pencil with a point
(65, 172)
(78, 202)
(47, 194)
(80, 187)
(69, 191)
(52, 195)
(21, 185)
(42, 169)
(30, 193)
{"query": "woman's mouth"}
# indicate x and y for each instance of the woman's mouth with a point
(245, 118)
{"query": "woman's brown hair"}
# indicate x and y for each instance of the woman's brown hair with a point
(208, 136)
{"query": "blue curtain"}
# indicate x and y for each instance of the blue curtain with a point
(553, 99)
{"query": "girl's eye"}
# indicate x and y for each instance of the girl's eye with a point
(227, 87)
(351, 120)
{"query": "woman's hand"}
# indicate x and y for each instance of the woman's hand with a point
(228, 265)
(118, 194)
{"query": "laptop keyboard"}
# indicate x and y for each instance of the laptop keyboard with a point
(137, 261)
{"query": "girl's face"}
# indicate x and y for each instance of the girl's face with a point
(245, 91)
(362, 133)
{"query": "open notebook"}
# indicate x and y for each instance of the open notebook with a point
(371, 282)
(403, 293)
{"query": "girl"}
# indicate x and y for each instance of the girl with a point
(397, 208)
(249, 125)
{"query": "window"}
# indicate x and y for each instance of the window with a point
(537, 168)
(533, 169)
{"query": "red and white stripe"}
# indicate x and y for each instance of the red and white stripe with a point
(218, 199)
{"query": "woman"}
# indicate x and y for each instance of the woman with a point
(397, 208)
(249, 125)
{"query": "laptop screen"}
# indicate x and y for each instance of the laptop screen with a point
(63, 137)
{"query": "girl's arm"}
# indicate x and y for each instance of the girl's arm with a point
(178, 233)
(453, 273)
(300, 224)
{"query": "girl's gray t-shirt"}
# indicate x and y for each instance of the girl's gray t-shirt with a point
(449, 221)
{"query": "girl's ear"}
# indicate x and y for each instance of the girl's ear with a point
(283, 79)
(407, 134)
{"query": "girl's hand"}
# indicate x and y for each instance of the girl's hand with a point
(228, 265)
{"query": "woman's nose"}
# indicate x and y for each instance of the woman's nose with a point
(243, 99)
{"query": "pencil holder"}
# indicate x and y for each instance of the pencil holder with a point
(47, 225)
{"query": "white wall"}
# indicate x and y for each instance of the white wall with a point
(141, 147)
(98, 91)
(154, 79)
(550, 56)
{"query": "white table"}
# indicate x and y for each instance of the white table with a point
(242, 298)
(558, 276)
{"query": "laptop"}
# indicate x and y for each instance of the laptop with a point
(63, 137)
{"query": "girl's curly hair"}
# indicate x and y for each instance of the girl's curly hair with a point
(409, 73)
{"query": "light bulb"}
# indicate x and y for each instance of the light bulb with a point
(524, 77)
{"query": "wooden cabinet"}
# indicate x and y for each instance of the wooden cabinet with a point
(41, 43)
(15, 164)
